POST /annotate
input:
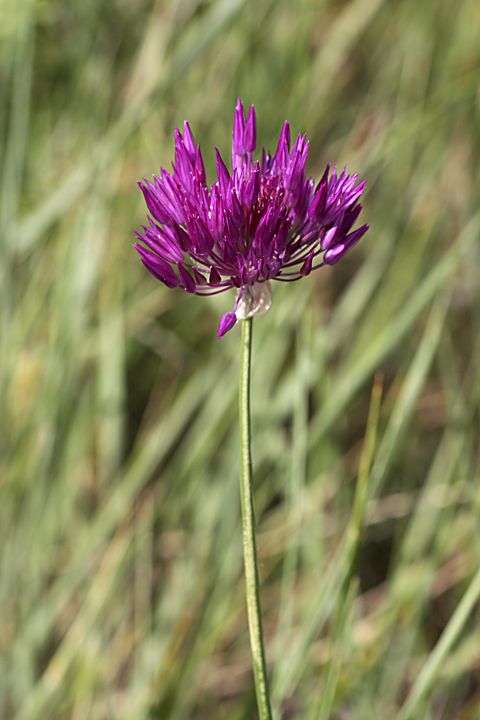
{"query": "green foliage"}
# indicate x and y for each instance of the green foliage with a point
(121, 588)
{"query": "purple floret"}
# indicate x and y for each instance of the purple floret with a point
(264, 221)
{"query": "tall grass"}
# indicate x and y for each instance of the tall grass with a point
(121, 590)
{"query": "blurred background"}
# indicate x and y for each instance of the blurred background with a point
(121, 588)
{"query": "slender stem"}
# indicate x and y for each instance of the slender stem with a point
(248, 523)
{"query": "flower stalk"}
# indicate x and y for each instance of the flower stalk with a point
(252, 585)
(263, 221)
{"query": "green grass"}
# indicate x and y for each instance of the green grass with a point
(121, 588)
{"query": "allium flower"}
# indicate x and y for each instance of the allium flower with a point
(263, 222)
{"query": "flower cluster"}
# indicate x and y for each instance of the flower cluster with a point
(264, 221)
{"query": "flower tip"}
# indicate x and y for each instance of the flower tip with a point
(250, 135)
(238, 147)
(222, 172)
(188, 138)
(226, 323)
(306, 268)
(283, 146)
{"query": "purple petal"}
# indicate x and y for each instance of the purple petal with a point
(188, 281)
(252, 187)
(222, 172)
(235, 209)
(189, 142)
(307, 265)
(317, 207)
(200, 279)
(153, 202)
(182, 238)
(226, 323)
(250, 135)
(355, 236)
(238, 147)
(333, 256)
(283, 147)
(324, 177)
(215, 278)
(200, 173)
(158, 267)
(202, 241)
(327, 240)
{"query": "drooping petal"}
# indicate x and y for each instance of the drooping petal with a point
(306, 268)
(158, 267)
(153, 202)
(226, 323)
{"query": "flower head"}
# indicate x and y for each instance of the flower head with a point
(264, 221)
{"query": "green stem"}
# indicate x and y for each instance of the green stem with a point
(252, 588)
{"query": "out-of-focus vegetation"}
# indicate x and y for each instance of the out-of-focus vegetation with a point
(121, 590)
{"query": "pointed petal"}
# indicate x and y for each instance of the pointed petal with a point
(250, 135)
(188, 281)
(252, 187)
(189, 142)
(214, 277)
(238, 147)
(226, 323)
(283, 147)
(222, 172)
(200, 279)
(307, 265)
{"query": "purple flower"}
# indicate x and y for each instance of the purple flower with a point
(264, 221)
